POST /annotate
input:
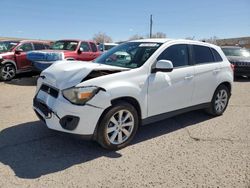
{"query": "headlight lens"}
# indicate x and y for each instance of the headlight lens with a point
(80, 95)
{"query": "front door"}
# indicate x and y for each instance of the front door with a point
(21, 59)
(173, 90)
(86, 53)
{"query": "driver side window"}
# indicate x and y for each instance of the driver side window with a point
(177, 54)
(26, 47)
(85, 47)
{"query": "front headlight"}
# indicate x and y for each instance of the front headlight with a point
(80, 95)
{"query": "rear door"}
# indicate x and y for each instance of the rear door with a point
(95, 51)
(86, 54)
(207, 69)
(173, 90)
(21, 60)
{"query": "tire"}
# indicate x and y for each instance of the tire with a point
(112, 134)
(7, 72)
(219, 102)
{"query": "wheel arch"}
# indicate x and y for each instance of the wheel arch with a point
(9, 62)
(127, 99)
(227, 84)
(70, 59)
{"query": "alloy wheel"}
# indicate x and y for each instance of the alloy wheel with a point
(221, 100)
(120, 127)
(8, 72)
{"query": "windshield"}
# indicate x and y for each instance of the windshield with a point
(65, 45)
(128, 55)
(7, 46)
(236, 52)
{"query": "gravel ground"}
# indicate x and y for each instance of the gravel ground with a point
(190, 150)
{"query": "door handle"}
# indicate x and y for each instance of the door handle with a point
(189, 77)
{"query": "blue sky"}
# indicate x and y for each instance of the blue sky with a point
(51, 19)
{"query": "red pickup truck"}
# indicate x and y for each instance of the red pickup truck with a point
(13, 58)
(64, 49)
(77, 49)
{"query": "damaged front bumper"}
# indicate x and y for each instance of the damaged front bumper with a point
(61, 115)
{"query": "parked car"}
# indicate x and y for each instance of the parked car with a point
(108, 99)
(70, 50)
(106, 46)
(13, 58)
(240, 58)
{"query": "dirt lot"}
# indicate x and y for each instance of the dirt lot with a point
(190, 150)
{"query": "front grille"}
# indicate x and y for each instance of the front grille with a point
(50, 90)
(242, 64)
(42, 107)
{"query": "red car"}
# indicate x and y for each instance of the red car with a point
(13, 56)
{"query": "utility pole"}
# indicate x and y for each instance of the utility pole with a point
(151, 25)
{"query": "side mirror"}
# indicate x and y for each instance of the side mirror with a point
(163, 66)
(18, 51)
(80, 50)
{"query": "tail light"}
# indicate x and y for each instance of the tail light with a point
(232, 66)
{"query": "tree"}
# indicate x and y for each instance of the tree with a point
(135, 37)
(190, 38)
(212, 40)
(159, 35)
(102, 37)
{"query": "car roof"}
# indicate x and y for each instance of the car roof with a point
(156, 40)
(21, 41)
(78, 40)
(167, 40)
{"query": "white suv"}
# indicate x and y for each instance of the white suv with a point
(154, 79)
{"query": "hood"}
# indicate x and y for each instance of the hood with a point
(66, 74)
(6, 54)
(234, 59)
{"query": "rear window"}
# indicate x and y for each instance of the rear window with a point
(217, 56)
(202, 54)
(93, 47)
(38, 46)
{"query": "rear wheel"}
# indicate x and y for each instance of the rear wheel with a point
(118, 126)
(7, 72)
(219, 102)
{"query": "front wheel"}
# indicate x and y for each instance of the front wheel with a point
(118, 126)
(220, 101)
(7, 72)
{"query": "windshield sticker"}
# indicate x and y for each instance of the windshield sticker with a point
(149, 45)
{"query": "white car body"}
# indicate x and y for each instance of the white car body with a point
(159, 95)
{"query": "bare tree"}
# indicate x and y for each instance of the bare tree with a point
(212, 40)
(190, 38)
(135, 37)
(102, 37)
(159, 35)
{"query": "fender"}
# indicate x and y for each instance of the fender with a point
(10, 62)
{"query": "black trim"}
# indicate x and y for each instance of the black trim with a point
(42, 107)
(155, 70)
(50, 90)
(163, 116)
(69, 122)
